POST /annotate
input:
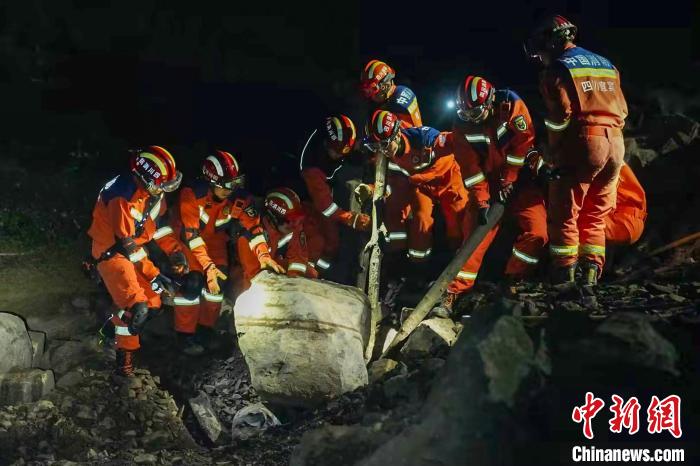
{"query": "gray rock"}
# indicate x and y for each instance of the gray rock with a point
(201, 407)
(303, 340)
(378, 369)
(66, 323)
(428, 338)
(335, 445)
(38, 340)
(62, 356)
(15, 344)
(252, 420)
(25, 386)
(70, 379)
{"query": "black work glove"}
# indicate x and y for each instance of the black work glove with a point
(162, 284)
(484, 214)
(178, 263)
(505, 189)
(548, 173)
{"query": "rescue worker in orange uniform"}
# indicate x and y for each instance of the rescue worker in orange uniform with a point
(408, 213)
(425, 156)
(283, 223)
(207, 211)
(322, 157)
(493, 136)
(625, 224)
(586, 114)
(123, 221)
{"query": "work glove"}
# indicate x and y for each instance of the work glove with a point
(178, 263)
(548, 173)
(505, 189)
(163, 285)
(483, 214)
(267, 262)
(540, 170)
(213, 274)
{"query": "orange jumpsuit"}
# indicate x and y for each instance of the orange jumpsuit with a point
(408, 213)
(317, 171)
(315, 241)
(203, 222)
(124, 209)
(426, 159)
(289, 250)
(625, 223)
(487, 153)
(586, 113)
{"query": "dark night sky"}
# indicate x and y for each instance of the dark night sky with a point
(192, 74)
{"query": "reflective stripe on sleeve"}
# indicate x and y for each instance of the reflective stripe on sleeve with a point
(517, 161)
(161, 232)
(477, 138)
(503, 129)
(472, 180)
(196, 242)
(222, 221)
(395, 168)
(418, 254)
(138, 255)
(122, 331)
(330, 210)
(396, 236)
(255, 241)
(556, 126)
(462, 275)
(284, 240)
(297, 267)
(203, 216)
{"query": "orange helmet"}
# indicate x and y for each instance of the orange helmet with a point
(221, 170)
(284, 205)
(382, 128)
(474, 99)
(155, 167)
(376, 77)
(551, 32)
(339, 132)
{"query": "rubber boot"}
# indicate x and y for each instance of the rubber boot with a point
(563, 274)
(589, 273)
(207, 338)
(124, 363)
(189, 345)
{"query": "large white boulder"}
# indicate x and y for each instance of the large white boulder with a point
(303, 340)
(15, 344)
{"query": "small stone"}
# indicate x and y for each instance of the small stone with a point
(677, 298)
(6, 424)
(131, 416)
(132, 393)
(91, 454)
(141, 397)
(108, 423)
(156, 379)
(145, 458)
(80, 302)
(130, 433)
(209, 389)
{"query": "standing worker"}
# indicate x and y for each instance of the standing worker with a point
(123, 221)
(586, 114)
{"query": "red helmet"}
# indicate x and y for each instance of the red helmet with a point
(383, 127)
(284, 205)
(155, 166)
(474, 99)
(339, 133)
(375, 78)
(550, 33)
(221, 170)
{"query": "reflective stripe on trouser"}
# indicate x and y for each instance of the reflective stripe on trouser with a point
(528, 208)
(127, 286)
(397, 209)
(465, 279)
(123, 338)
(579, 203)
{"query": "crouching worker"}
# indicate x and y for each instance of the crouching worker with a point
(209, 208)
(123, 221)
(283, 223)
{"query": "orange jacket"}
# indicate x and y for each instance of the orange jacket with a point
(290, 250)
(124, 209)
(581, 88)
(496, 149)
(203, 222)
(318, 170)
(631, 198)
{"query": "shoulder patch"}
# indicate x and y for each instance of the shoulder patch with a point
(520, 123)
(251, 211)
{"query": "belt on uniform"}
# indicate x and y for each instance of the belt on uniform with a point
(600, 131)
